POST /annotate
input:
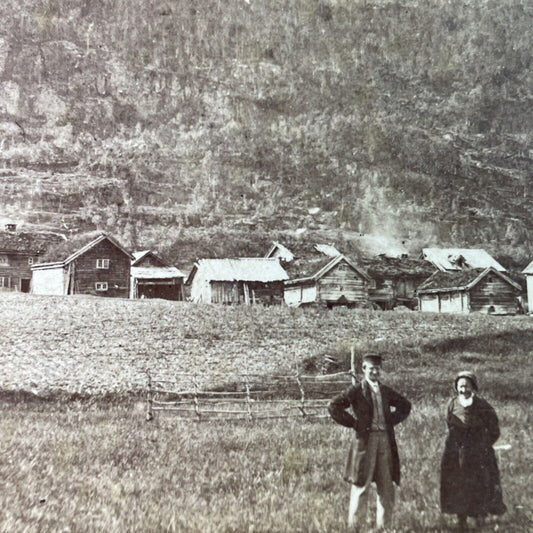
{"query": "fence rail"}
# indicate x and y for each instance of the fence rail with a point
(245, 396)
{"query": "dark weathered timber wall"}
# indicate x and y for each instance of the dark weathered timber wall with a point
(160, 288)
(266, 293)
(117, 275)
(227, 292)
(494, 292)
(340, 281)
(150, 261)
(16, 270)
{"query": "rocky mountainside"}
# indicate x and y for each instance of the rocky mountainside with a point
(215, 126)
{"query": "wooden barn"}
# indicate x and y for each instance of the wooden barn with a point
(244, 280)
(101, 267)
(465, 291)
(396, 280)
(18, 252)
(339, 282)
(151, 277)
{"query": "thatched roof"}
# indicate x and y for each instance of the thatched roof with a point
(68, 251)
(383, 268)
(307, 257)
(332, 263)
(28, 242)
(461, 280)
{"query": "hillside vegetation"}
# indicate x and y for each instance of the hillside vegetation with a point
(153, 118)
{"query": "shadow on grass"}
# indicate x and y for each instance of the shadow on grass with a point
(501, 343)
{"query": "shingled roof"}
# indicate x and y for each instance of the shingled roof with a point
(260, 269)
(460, 258)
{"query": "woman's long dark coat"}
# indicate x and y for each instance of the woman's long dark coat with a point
(470, 481)
(396, 409)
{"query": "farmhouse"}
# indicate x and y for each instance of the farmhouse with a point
(453, 259)
(151, 277)
(487, 291)
(248, 280)
(101, 267)
(18, 252)
(396, 280)
(339, 282)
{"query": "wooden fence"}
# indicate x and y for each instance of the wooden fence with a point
(247, 396)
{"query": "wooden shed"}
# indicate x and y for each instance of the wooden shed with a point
(18, 252)
(151, 277)
(101, 267)
(339, 282)
(486, 291)
(396, 280)
(244, 280)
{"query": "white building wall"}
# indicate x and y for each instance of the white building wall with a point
(200, 288)
(429, 303)
(451, 303)
(51, 281)
(295, 296)
(456, 302)
(529, 279)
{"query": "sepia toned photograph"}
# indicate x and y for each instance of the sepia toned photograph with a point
(266, 266)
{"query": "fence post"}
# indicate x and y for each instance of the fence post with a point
(248, 398)
(302, 392)
(352, 363)
(149, 399)
(196, 402)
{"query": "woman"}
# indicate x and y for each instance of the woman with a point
(470, 480)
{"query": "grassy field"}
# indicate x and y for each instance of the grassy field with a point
(76, 453)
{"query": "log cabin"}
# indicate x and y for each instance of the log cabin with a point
(396, 280)
(101, 268)
(244, 280)
(18, 252)
(151, 277)
(339, 282)
(465, 291)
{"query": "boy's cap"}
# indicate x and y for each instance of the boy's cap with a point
(374, 358)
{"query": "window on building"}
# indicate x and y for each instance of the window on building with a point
(4, 260)
(102, 263)
(2, 282)
(101, 285)
(30, 260)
